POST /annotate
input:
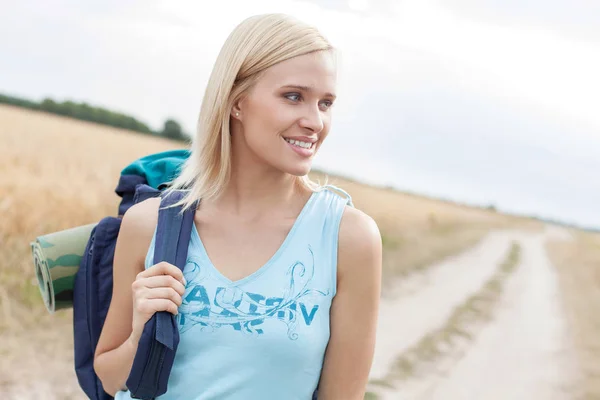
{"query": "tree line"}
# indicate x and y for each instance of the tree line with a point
(83, 111)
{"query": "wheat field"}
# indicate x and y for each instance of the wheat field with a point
(57, 173)
(578, 266)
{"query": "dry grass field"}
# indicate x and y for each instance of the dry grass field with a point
(57, 173)
(418, 231)
(578, 265)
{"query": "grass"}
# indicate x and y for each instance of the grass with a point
(578, 266)
(447, 342)
(371, 396)
(57, 173)
(419, 231)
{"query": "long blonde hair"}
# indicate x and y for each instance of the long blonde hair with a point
(256, 44)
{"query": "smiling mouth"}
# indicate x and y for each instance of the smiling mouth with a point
(298, 143)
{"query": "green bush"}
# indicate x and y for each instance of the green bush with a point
(86, 112)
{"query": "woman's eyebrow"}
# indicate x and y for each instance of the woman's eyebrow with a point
(307, 89)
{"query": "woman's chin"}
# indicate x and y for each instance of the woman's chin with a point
(298, 169)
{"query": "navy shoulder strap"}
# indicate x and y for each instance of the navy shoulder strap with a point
(173, 232)
(171, 245)
(156, 350)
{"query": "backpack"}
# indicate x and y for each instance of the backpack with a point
(92, 291)
(145, 178)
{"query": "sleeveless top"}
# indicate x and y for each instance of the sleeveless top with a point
(263, 336)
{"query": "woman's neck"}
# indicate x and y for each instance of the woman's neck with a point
(255, 188)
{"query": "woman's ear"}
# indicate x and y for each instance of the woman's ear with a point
(236, 110)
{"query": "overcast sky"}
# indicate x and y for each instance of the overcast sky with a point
(479, 101)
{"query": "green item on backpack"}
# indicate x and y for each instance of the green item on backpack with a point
(56, 258)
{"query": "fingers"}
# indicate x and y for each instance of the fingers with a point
(158, 288)
(159, 281)
(165, 293)
(162, 268)
(150, 306)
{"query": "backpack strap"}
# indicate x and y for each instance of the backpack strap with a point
(154, 357)
(173, 234)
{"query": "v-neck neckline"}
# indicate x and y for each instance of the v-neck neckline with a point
(265, 266)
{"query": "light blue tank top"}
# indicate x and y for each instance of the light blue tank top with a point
(264, 336)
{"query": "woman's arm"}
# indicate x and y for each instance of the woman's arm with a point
(117, 347)
(354, 309)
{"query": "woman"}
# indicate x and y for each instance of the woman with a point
(280, 293)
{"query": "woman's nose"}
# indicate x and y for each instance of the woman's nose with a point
(313, 119)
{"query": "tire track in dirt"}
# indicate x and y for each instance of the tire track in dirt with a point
(522, 353)
(424, 301)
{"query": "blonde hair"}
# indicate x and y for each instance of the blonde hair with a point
(256, 44)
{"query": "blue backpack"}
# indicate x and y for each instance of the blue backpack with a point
(145, 178)
(92, 292)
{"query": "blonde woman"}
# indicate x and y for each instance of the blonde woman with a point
(281, 289)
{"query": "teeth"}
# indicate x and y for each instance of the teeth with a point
(298, 143)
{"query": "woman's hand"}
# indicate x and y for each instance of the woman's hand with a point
(158, 288)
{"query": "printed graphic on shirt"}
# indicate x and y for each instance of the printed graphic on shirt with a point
(245, 311)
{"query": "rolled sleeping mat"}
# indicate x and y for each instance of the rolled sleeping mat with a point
(56, 258)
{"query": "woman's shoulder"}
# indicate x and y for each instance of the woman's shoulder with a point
(360, 246)
(138, 225)
(356, 226)
(359, 230)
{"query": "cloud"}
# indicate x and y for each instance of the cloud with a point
(578, 19)
(528, 66)
(154, 46)
(149, 58)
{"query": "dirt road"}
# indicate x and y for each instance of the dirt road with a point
(522, 352)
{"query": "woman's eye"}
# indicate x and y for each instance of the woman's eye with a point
(295, 97)
(292, 95)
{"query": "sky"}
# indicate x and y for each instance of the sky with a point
(477, 101)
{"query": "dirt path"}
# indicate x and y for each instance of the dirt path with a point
(423, 302)
(520, 354)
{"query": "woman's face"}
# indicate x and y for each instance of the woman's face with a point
(287, 114)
